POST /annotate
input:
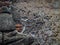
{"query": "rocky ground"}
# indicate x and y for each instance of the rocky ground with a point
(41, 20)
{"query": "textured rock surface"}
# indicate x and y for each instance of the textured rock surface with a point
(6, 22)
(46, 20)
(42, 22)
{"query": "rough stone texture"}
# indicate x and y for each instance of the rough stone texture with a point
(6, 22)
(43, 20)
(46, 16)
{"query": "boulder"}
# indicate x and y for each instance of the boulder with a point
(6, 22)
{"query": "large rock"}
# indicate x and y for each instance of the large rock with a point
(6, 22)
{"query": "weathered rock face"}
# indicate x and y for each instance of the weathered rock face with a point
(6, 22)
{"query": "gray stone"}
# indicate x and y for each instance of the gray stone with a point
(6, 22)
